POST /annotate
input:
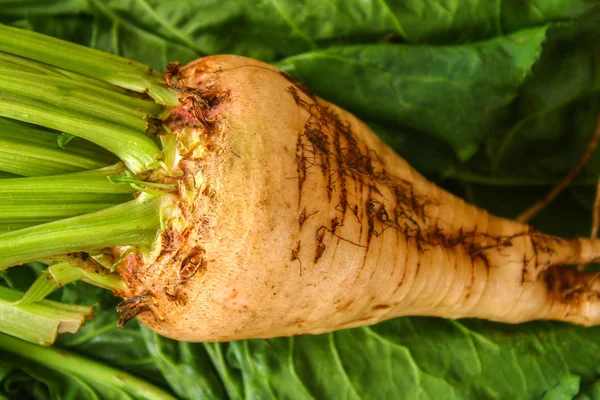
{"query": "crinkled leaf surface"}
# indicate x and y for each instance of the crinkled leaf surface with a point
(273, 29)
(454, 92)
(494, 99)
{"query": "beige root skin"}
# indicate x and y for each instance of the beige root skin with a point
(300, 220)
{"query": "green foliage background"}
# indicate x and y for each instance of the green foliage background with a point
(495, 100)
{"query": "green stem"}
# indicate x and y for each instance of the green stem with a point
(109, 68)
(107, 281)
(40, 322)
(14, 226)
(27, 151)
(42, 214)
(75, 100)
(134, 181)
(134, 148)
(76, 94)
(58, 275)
(54, 277)
(48, 198)
(134, 223)
(25, 64)
(91, 371)
(66, 188)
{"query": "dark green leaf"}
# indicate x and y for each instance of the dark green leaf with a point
(557, 102)
(517, 14)
(451, 92)
(5, 369)
(270, 30)
(450, 21)
(589, 392)
(186, 367)
(14, 9)
(127, 345)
